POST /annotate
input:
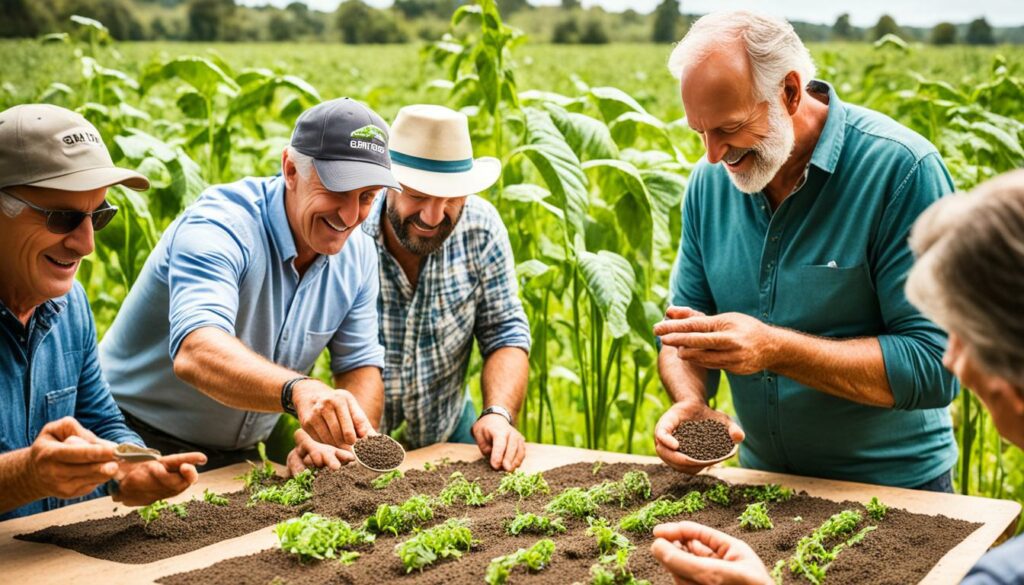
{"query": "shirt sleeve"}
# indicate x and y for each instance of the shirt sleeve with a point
(688, 283)
(500, 318)
(95, 408)
(356, 344)
(207, 260)
(912, 346)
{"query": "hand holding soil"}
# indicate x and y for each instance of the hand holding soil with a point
(379, 452)
(144, 483)
(667, 445)
(309, 453)
(329, 415)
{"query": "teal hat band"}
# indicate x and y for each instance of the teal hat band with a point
(435, 166)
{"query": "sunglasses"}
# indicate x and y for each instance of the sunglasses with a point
(65, 221)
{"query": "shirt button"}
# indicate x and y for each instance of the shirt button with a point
(765, 314)
(769, 380)
(775, 238)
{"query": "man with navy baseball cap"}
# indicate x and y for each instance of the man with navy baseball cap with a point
(248, 287)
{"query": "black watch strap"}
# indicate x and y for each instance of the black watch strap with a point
(286, 394)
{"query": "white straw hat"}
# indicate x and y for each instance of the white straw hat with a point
(431, 152)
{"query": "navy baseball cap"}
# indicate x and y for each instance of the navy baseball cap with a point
(349, 145)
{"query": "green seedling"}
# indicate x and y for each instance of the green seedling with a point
(644, 519)
(572, 502)
(755, 517)
(259, 473)
(523, 484)
(214, 498)
(719, 494)
(535, 558)
(292, 493)
(812, 557)
(152, 512)
(768, 493)
(384, 480)
(876, 509)
(608, 540)
(613, 569)
(597, 467)
(314, 537)
(448, 540)
(402, 518)
(439, 464)
(534, 524)
(460, 489)
(635, 485)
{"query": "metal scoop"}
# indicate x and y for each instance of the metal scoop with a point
(364, 464)
(134, 453)
(710, 462)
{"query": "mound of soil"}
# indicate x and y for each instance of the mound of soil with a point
(902, 550)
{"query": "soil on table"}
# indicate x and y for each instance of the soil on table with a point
(379, 452)
(703, 440)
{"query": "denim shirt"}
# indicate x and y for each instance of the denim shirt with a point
(51, 370)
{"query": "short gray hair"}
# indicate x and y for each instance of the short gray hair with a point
(773, 47)
(302, 162)
(968, 277)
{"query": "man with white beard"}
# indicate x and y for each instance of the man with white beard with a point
(791, 269)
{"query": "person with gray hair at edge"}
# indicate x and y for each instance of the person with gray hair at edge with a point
(447, 277)
(59, 425)
(790, 271)
(248, 287)
(968, 278)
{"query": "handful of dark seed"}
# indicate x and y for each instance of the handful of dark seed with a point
(703, 440)
(379, 452)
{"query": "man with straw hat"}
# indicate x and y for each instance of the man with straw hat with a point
(247, 288)
(59, 424)
(447, 276)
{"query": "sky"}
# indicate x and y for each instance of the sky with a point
(862, 12)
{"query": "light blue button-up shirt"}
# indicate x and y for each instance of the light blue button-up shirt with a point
(227, 262)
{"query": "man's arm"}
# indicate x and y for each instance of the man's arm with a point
(367, 385)
(846, 368)
(504, 377)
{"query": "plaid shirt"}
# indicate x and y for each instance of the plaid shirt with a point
(466, 289)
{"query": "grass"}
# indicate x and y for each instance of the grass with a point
(447, 540)
(535, 558)
(314, 537)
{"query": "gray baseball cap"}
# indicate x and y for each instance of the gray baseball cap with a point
(349, 145)
(43, 145)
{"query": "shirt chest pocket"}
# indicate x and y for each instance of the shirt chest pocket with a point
(829, 300)
(61, 403)
(315, 344)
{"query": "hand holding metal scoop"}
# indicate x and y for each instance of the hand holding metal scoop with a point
(379, 452)
(134, 454)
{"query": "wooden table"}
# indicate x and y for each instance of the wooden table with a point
(26, 562)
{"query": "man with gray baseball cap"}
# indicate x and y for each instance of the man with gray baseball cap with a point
(59, 424)
(248, 287)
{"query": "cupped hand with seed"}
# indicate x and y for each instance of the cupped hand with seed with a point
(667, 446)
(329, 415)
(696, 554)
(309, 453)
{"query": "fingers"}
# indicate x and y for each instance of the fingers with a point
(498, 449)
(682, 313)
(66, 427)
(688, 325)
(736, 432)
(79, 453)
(681, 564)
(707, 341)
(678, 461)
(336, 420)
(482, 437)
(361, 424)
(176, 461)
(512, 450)
(295, 462)
(520, 452)
(715, 542)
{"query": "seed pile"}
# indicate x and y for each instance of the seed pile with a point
(703, 440)
(379, 452)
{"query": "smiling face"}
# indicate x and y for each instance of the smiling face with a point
(38, 265)
(422, 222)
(322, 220)
(751, 137)
(1004, 401)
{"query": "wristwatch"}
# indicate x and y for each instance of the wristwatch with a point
(497, 410)
(287, 404)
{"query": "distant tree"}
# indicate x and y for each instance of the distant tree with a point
(282, 28)
(979, 32)
(23, 18)
(631, 16)
(886, 25)
(362, 24)
(667, 22)
(509, 6)
(571, 4)
(566, 32)
(944, 33)
(207, 19)
(842, 30)
(117, 15)
(594, 33)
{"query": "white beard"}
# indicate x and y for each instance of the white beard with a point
(768, 155)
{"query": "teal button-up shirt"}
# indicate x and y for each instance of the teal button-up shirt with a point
(831, 261)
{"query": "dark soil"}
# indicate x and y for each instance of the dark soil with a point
(379, 452)
(703, 440)
(902, 550)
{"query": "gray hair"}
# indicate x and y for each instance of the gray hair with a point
(968, 277)
(773, 47)
(303, 162)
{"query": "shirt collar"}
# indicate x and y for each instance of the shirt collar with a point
(277, 220)
(830, 143)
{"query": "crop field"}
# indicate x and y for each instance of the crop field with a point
(596, 156)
